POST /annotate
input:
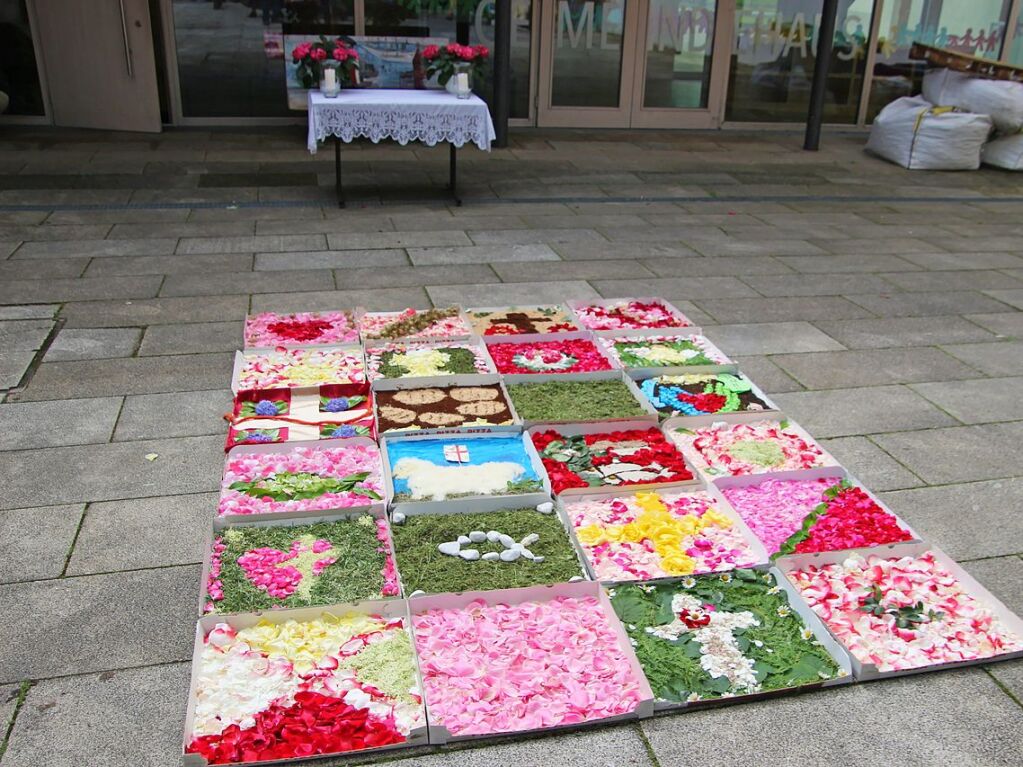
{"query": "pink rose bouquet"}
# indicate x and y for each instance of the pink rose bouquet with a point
(443, 61)
(310, 58)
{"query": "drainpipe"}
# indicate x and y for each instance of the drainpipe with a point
(502, 70)
(822, 63)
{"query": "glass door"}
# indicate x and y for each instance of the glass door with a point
(632, 63)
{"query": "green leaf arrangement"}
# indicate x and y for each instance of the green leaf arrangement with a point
(460, 360)
(574, 401)
(293, 486)
(782, 655)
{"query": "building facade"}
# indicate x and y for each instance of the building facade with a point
(140, 64)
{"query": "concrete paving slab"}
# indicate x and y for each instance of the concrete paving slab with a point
(580, 251)
(1008, 324)
(13, 366)
(154, 623)
(617, 746)
(30, 425)
(511, 293)
(976, 279)
(37, 269)
(35, 543)
(967, 521)
(818, 284)
(229, 283)
(330, 259)
(413, 276)
(978, 259)
(958, 454)
(172, 530)
(602, 269)
(874, 467)
(955, 717)
(23, 335)
(93, 343)
(714, 267)
(851, 412)
(191, 338)
(156, 311)
(269, 243)
(384, 300)
(83, 289)
(928, 304)
(997, 359)
(62, 475)
(768, 376)
(1013, 297)
(94, 248)
(28, 312)
(848, 264)
(81, 720)
(1002, 576)
(980, 401)
(874, 367)
(134, 265)
(391, 240)
(906, 331)
(178, 414)
(754, 310)
(481, 254)
(770, 338)
(692, 288)
(129, 375)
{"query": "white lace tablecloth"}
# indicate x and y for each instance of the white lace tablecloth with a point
(430, 116)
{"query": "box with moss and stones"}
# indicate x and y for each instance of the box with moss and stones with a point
(578, 401)
(482, 551)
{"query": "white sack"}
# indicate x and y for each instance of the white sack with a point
(914, 134)
(1000, 99)
(1004, 152)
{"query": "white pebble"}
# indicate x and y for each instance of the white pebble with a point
(518, 546)
(530, 539)
(493, 536)
(398, 518)
(506, 540)
(538, 559)
(469, 554)
(528, 554)
(510, 555)
(545, 508)
(491, 556)
(417, 593)
(477, 536)
(464, 540)
(575, 578)
(451, 548)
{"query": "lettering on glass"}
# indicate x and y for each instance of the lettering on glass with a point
(680, 29)
(580, 30)
(764, 36)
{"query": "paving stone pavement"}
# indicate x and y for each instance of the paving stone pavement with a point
(881, 308)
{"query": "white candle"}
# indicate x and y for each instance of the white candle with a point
(329, 79)
(462, 83)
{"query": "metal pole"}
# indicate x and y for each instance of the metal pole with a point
(822, 63)
(502, 70)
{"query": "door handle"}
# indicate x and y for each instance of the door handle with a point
(127, 43)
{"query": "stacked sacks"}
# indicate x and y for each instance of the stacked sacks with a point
(1001, 100)
(913, 133)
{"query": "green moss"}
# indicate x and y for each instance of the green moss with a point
(574, 401)
(424, 568)
(356, 574)
(460, 361)
(782, 659)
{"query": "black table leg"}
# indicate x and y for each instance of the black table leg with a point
(337, 173)
(453, 174)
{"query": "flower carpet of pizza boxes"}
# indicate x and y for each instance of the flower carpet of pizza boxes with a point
(448, 524)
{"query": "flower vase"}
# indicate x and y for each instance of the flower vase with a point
(330, 85)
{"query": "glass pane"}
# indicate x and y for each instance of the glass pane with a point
(468, 22)
(772, 68)
(1015, 55)
(587, 69)
(680, 40)
(231, 54)
(976, 27)
(19, 78)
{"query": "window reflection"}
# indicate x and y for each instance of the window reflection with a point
(680, 42)
(19, 77)
(976, 28)
(775, 54)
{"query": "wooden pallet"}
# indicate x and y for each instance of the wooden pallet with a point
(963, 62)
